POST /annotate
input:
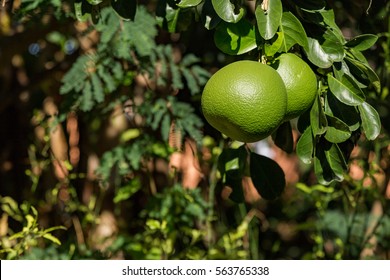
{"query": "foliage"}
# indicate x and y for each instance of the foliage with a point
(125, 78)
(16, 244)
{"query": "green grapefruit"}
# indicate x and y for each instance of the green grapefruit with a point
(245, 100)
(300, 82)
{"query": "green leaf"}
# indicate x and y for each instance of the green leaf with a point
(125, 192)
(130, 134)
(267, 176)
(235, 38)
(341, 68)
(329, 21)
(318, 119)
(268, 21)
(189, 3)
(228, 11)
(97, 88)
(86, 99)
(232, 159)
(82, 9)
(348, 114)
(293, 32)
(231, 165)
(54, 228)
(317, 55)
(52, 238)
(362, 42)
(165, 127)
(209, 17)
(371, 122)
(283, 137)
(329, 163)
(346, 90)
(333, 46)
(171, 18)
(126, 9)
(337, 131)
(95, 2)
(363, 72)
(275, 46)
(305, 147)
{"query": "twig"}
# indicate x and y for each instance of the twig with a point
(79, 231)
(369, 7)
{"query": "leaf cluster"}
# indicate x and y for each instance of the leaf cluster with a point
(341, 111)
(16, 244)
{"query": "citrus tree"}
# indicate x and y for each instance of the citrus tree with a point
(194, 83)
(264, 30)
(331, 116)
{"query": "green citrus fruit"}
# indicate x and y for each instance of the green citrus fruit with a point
(300, 81)
(245, 100)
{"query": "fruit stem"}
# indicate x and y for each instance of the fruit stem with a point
(263, 59)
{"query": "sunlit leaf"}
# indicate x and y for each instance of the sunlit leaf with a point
(189, 3)
(127, 191)
(318, 120)
(95, 2)
(364, 73)
(82, 9)
(232, 159)
(228, 10)
(333, 45)
(293, 32)
(268, 20)
(52, 238)
(337, 131)
(305, 147)
(329, 163)
(235, 38)
(273, 46)
(371, 122)
(346, 90)
(362, 42)
(317, 55)
(209, 17)
(348, 114)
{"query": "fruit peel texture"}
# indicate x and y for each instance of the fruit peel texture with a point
(301, 84)
(245, 100)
